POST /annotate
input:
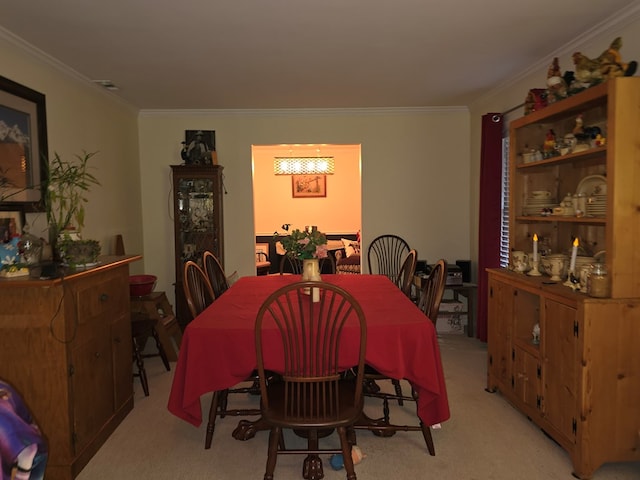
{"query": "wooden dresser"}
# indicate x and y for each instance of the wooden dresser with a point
(66, 347)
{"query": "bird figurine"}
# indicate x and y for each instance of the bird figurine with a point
(587, 72)
(549, 145)
(611, 64)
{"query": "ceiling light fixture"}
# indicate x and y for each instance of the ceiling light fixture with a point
(303, 165)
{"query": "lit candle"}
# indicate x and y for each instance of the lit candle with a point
(535, 247)
(574, 253)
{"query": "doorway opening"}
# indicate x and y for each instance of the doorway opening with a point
(335, 207)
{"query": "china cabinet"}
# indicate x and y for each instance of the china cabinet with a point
(198, 222)
(66, 347)
(580, 381)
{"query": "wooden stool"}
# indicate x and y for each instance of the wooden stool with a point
(141, 328)
(155, 306)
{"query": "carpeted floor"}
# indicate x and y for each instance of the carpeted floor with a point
(485, 439)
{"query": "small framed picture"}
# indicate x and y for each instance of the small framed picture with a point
(305, 186)
(11, 223)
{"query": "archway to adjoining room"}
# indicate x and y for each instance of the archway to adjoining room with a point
(335, 206)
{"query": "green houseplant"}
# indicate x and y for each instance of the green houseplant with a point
(68, 182)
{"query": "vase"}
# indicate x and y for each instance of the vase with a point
(311, 270)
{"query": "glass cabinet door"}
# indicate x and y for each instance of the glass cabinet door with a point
(197, 206)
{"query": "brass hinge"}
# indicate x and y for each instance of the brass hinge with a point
(538, 401)
(72, 370)
(539, 371)
(513, 354)
(576, 329)
(574, 426)
(491, 360)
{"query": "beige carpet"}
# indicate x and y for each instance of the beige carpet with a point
(485, 439)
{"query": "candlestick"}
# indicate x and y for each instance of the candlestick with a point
(535, 247)
(574, 253)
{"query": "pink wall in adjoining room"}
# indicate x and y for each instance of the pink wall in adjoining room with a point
(273, 203)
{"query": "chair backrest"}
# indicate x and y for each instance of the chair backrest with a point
(215, 273)
(294, 265)
(321, 334)
(386, 254)
(197, 288)
(407, 271)
(432, 290)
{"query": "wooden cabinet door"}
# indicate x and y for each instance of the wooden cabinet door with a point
(500, 314)
(527, 379)
(122, 360)
(561, 364)
(92, 387)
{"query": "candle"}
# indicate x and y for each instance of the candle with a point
(535, 247)
(574, 253)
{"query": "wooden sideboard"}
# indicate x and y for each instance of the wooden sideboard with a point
(66, 348)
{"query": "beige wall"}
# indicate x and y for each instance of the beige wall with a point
(82, 117)
(415, 174)
(273, 202)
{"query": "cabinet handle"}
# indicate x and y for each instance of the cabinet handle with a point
(98, 355)
(104, 297)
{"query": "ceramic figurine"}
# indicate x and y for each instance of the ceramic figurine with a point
(556, 86)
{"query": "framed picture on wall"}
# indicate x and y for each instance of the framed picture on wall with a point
(305, 186)
(23, 145)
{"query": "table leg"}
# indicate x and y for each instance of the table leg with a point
(247, 429)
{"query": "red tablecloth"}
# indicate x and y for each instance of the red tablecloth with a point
(218, 352)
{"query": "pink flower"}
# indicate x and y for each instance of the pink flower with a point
(321, 251)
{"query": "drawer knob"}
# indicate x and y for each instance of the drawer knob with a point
(104, 297)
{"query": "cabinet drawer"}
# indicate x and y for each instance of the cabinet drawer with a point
(100, 296)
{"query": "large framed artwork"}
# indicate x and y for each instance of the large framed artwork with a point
(23, 145)
(305, 186)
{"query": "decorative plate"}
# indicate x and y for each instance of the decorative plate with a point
(592, 185)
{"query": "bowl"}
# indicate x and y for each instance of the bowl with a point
(540, 194)
(141, 285)
(555, 265)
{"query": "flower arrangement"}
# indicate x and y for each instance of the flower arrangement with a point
(303, 244)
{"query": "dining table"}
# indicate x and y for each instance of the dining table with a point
(218, 346)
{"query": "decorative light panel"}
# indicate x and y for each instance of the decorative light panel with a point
(303, 165)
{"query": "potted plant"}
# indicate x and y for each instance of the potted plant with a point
(68, 182)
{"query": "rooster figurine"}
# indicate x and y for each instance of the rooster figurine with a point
(609, 64)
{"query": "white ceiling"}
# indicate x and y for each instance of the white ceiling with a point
(250, 54)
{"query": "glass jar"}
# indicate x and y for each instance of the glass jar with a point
(30, 247)
(598, 281)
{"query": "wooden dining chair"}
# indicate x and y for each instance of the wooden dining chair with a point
(293, 265)
(215, 273)
(432, 291)
(318, 336)
(429, 302)
(197, 289)
(407, 272)
(200, 294)
(404, 283)
(386, 254)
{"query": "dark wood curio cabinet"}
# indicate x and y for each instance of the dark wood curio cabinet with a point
(198, 222)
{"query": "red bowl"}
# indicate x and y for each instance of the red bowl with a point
(141, 285)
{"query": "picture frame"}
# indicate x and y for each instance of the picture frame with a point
(199, 147)
(12, 222)
(309, 186)
(23, 146)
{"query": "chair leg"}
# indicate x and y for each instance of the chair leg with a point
(426, 433)
(142, 373)
(312, 465)
(161, 352)
(211, 425)
(274, 440)
(398, 388)
(346, 453)
(223, 402)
